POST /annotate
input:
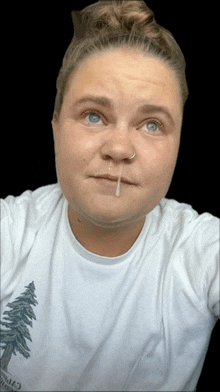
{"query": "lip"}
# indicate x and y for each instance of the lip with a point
(114, 178)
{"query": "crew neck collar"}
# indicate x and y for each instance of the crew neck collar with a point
(92, 257)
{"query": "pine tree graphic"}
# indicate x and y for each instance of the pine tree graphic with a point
(16, 321)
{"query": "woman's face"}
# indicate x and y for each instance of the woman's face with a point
(119, 102)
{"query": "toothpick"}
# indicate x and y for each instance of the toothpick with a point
(118, 190)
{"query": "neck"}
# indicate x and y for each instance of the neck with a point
(107, 242)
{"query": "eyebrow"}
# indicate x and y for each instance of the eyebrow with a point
(103, 101)
(156, 109)
(108, 103)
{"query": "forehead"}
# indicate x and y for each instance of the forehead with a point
(126, 76)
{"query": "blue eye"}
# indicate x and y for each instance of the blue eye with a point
(93, 118)
(152, 126)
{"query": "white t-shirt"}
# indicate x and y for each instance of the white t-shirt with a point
(76, 321)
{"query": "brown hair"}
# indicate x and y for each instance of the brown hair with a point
(109, 24)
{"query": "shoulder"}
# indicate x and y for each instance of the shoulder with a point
(30, 204)
(194, 235)
(21, 219)
(186, 221)
(193, 241)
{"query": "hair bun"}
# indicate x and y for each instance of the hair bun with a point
(109, 24)
(108, 16)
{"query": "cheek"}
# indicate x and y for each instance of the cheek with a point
(68, 156)
(72, 147)
(74, 151)
(159, 161)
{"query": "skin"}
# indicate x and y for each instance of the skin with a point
(87, 146)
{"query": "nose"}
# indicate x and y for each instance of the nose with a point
(117, 145)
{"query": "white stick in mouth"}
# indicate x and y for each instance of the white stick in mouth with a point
(118, 189)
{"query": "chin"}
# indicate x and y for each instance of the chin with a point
(112, 216)
(106, 217)
(110, 222)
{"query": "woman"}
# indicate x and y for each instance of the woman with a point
(106, 284)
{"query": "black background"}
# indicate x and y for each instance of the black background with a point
(34, 41)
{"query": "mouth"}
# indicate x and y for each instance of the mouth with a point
(113, 179)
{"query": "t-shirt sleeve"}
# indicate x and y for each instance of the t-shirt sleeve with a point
(16, 239)
(196, 244)
(205, 246)
(22, 218)
(212, 276)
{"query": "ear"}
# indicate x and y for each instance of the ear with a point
(55, 116)
(55, 125)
